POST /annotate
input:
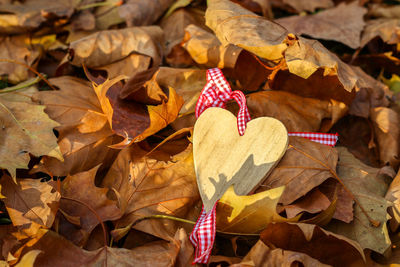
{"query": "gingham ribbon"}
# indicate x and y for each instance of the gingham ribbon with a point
(215, 94)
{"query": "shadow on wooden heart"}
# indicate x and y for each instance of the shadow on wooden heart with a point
(222, 184)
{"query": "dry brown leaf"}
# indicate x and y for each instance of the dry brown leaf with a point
(26, 129)
(236, 25)
(187, 83)
(298, 114)
(370, 93)
(384, 11)
(357, 135)
(84, 130)
(146, 186)
(79, 192)
(57, 251)
(106, 47)
(343, 23)
(205, 49)
(300, 170)
(386, 123)
(16, 48)
(186, 252)
(308, 5)
(327, 247)
(18, 18)
(305, 57)
(128, 66)
(368, 187)
(393, 196)
(387, 29)
(175, 24)
(138, 12)
(133, 120)
(314, 202)
(30, 203)
(261, 255)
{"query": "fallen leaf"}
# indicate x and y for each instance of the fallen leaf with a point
(322, 245)
(19, 18)
(26, 129)
(147, 186)
(84, 130)
(343, 23)
(79, 193)
(357, 135)
(384, 11)
(175, 24)
(386, 125)
(233, 24)
(205, 49)
(370, 93)
(28, 259)
(261, 255)
(106, 47)
(368, 188)
(57, 251)
(298, 114)
(128, 66)
(386, 29)
(30, 203)
(248, 214)
(144, 120)
(314, 202)
(308, 5)
(305, 57)
(16, 48)
(138, 13)
(392, 195)
(305, 165)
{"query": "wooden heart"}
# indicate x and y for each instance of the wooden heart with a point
(222, 157)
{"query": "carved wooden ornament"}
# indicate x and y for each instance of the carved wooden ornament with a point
(222, 157)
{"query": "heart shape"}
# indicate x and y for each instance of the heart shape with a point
(222, 157)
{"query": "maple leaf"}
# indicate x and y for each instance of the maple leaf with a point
(369, 188)
(30, 203)
(25, 129)
(147, 186)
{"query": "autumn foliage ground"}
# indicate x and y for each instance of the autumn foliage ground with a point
(97, 114)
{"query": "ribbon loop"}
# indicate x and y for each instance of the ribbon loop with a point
(217, 92)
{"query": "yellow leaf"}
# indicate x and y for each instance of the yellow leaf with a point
(249, 214)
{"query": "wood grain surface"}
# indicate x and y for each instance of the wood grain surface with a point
(222, 157)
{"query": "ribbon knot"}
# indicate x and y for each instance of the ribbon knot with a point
(217, 92)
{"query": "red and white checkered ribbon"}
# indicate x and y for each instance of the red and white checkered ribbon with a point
(215, 94)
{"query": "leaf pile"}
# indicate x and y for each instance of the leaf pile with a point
(96, 157)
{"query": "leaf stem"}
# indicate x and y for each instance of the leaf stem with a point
(159, 216)
(100, 4)
(20, 86)
(28, 67)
